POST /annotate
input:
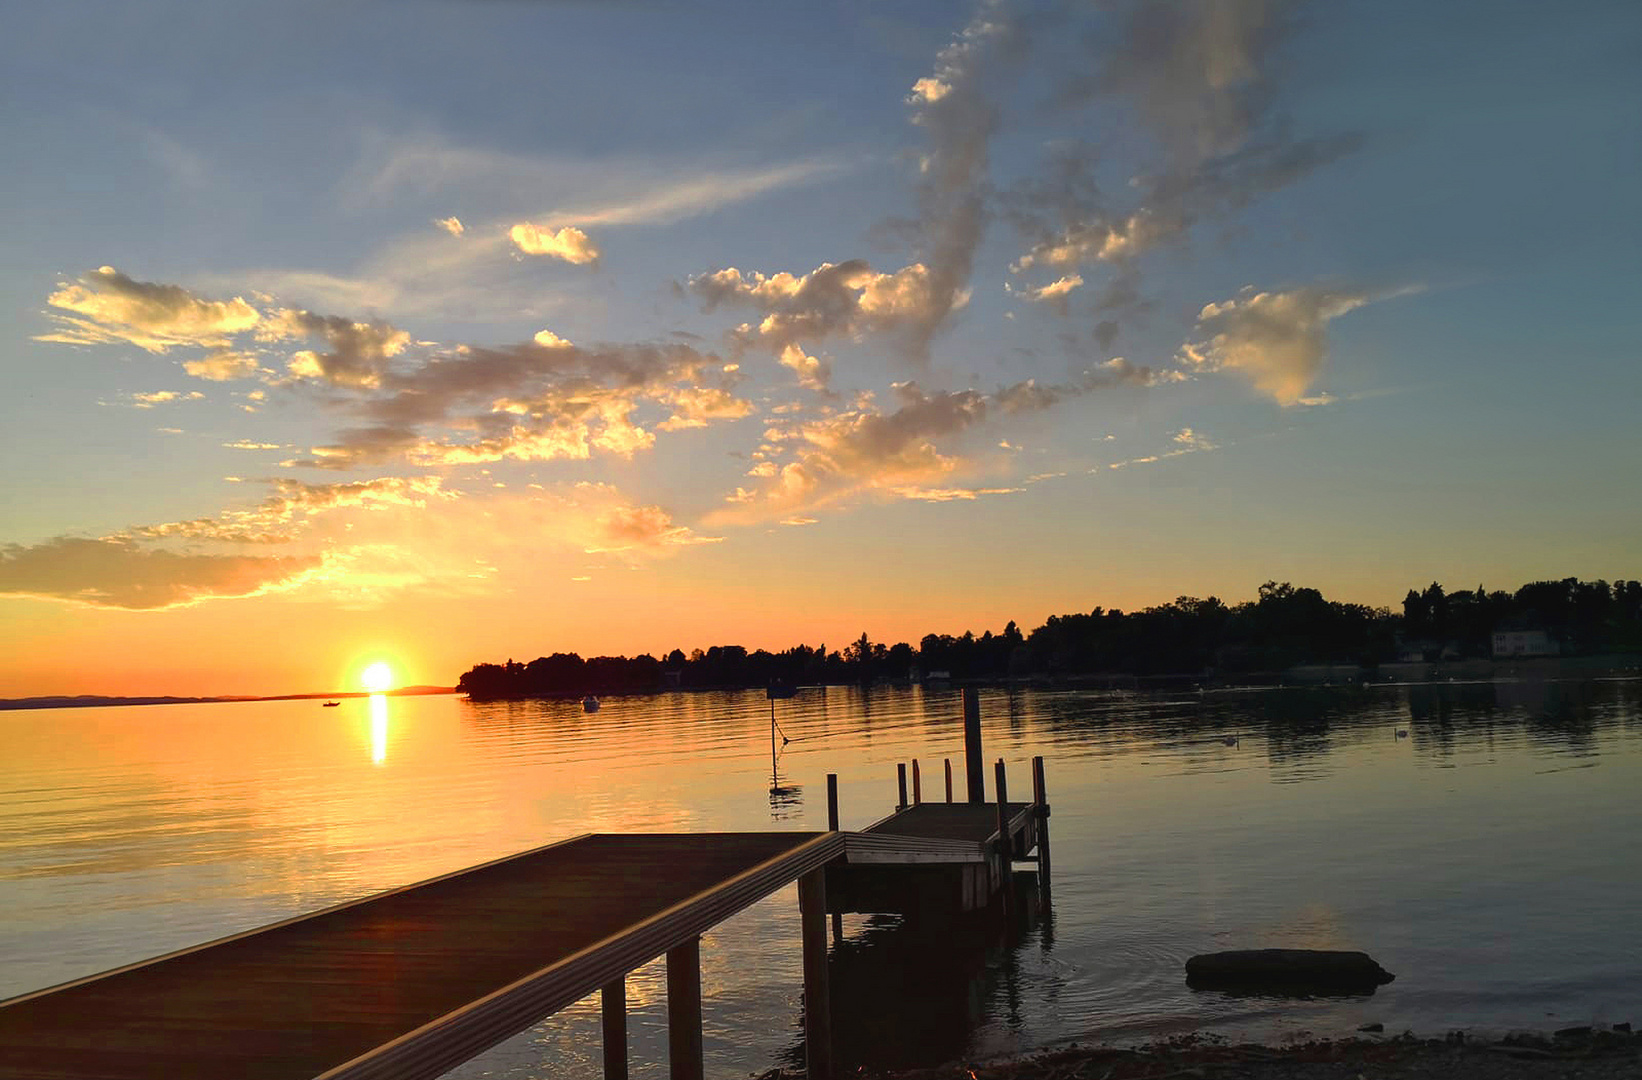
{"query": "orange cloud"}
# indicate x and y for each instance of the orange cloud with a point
(107, 307)
(122, 574)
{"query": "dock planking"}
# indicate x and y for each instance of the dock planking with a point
(461, 961)
(950, 821)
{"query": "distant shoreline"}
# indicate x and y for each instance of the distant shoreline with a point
(99, 701)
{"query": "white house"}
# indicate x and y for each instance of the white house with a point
(1524, 643)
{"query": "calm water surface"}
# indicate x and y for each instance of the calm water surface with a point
(1490, 857)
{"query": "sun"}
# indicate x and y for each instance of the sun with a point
(377, 677)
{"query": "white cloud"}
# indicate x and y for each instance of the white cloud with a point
(1277, 340)
(163, 397)
(223, 365)
(452, 225)
(568, 243)
(1053, 295)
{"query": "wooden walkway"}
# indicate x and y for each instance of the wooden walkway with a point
(409, 983)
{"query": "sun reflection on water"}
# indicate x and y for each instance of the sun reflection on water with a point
(379, 728)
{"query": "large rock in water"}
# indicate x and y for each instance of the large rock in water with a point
(1286, 971)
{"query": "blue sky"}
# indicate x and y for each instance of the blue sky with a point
(678, 324)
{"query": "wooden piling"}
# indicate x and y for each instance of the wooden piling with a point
(684, 1055)
(812, 907)
(917, 784)
(972, 745)
(901, 777)
(613, 1005)
(948, 779)
(1040, 800)
(1006, 846)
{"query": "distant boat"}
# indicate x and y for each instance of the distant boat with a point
(331, 704)
(778, 689)
(590, 704)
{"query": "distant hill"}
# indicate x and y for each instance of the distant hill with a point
(98, 701)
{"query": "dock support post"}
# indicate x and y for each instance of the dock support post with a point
(972, 745)
(812, 906)
(684, 1057)
(1040, 797)
(613, 1004)
(832, 826)
(917, 784)
(948, 779)
(1006, 844)
(901, 775)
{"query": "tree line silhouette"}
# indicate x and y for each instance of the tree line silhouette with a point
(1283, 627)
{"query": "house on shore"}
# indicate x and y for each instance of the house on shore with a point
(1524, 642)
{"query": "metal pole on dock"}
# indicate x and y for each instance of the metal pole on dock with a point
(1040, 799)
(684, 1056)
(832, 826)
(948, 779)
(1006, 845)
(901, 775)
(972, 745)
(917, 785)
(613, 1005)
(812, 907)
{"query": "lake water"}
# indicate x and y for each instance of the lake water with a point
(1490, 858)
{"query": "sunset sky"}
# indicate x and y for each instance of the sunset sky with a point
(442, 332)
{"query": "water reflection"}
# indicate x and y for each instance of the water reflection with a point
(379, 728)
(908, 992)
(1455, 855)
(786, 799)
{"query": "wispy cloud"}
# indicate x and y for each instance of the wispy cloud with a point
(1201, 78)
(282, 516)
(912, 451)
(108, 307)
(472, 273)
(120, 573)
(533, 401)
(1186, 441)
(358, 352)
(1277, 340)
(1053, 294)
(845, 299)
(151, 398)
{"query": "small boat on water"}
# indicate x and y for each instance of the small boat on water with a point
(330, 704)
(590, 704)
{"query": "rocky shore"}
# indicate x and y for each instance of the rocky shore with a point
(1582, 1053)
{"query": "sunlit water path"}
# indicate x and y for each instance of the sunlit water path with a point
(1490, 856)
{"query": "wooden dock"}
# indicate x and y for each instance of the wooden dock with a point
(409, 983)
